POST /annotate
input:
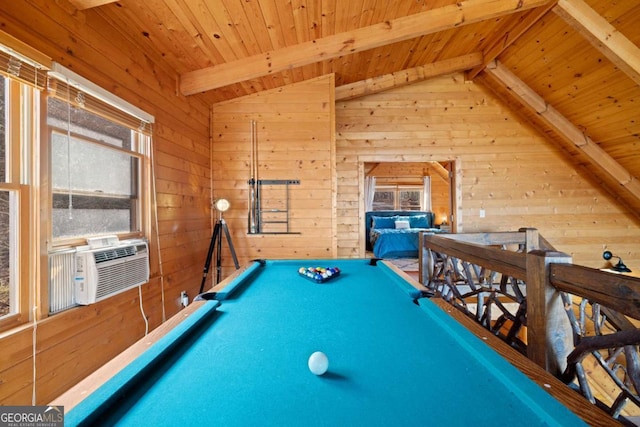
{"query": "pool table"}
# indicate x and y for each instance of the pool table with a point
(239, 355)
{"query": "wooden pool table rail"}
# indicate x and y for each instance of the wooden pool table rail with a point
(77, 393)
(591, 414)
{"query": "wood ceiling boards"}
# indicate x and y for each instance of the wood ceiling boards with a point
(580, 57)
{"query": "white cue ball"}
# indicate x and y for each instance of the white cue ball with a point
(318, 363)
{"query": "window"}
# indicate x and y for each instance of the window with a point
(409, 199)
(98, 158)
(384, 199)
(19, 94)
(98, 174)
(94, 174)
(398, 197)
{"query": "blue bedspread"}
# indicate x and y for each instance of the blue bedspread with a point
(396, 243)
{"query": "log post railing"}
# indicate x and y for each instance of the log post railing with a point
(571, 320)
(549, 338)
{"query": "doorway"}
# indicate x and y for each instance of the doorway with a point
(442, 198)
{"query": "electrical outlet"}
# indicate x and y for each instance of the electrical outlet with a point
(482, 213)
(184, 298)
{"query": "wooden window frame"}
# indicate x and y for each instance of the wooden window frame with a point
(21, 138)
(141, 149)
(397, 189)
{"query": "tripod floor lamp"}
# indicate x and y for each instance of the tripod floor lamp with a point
(221, 205)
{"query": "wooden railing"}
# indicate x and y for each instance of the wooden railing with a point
(578, 323)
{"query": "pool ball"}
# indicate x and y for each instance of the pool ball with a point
(318, 363)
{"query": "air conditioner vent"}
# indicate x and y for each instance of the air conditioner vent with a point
(122, 276)
(104, 272)
(114, 253)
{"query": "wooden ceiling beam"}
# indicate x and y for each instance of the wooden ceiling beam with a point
(406, 77)
(603, 36)
(529, 98)
(440, 171)
(400, 29)
(503, 41)
(88, 4)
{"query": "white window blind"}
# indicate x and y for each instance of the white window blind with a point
(68, 86)
(17, 66)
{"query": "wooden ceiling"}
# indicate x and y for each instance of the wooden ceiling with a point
(570, 67)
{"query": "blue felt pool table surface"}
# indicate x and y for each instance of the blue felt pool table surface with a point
(395, 358)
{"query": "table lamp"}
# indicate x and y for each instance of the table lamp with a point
(620, 266)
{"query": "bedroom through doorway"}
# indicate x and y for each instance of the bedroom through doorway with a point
(410, 187)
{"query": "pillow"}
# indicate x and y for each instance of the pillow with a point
(402, 224)
(384, 222)
(419, 221)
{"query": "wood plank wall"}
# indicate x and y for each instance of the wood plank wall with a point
(70, 345)
(507, 169)
(295, 141)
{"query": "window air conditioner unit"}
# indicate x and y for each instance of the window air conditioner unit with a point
(107, 271)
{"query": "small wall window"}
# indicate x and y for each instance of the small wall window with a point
(410, 199)
(398, 197)
(384, 199)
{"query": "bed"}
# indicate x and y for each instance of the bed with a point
(394, 234)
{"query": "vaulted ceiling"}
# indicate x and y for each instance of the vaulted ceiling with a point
(570, 67)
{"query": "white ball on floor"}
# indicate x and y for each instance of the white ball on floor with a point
(318, 363)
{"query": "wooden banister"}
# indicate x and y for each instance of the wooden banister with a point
(576, 320)
(615, 291)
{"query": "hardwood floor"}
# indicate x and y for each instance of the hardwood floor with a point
(413, 274)
(407, 265)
